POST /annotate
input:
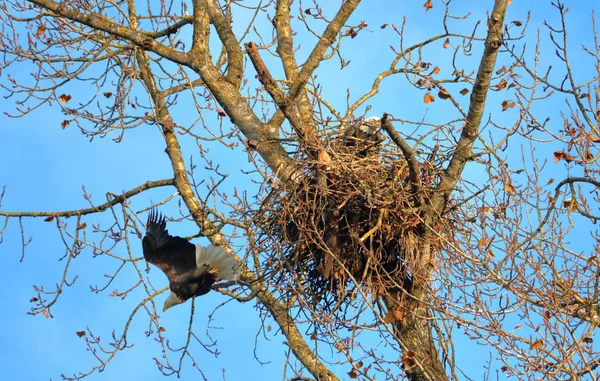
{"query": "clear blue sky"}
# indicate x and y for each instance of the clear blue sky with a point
(44, 168)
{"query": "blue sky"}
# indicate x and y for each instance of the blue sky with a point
(44, 168)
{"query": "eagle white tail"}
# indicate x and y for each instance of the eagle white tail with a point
(215, 258)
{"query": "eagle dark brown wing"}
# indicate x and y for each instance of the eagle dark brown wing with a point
(173, 255)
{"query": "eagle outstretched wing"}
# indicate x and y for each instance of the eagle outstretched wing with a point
(173, 255)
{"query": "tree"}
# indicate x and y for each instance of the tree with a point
(381, 258)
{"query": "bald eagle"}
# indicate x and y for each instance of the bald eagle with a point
(191, 269)
(365, 136)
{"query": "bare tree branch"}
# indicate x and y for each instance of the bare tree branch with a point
(470, 129)
(113, 199)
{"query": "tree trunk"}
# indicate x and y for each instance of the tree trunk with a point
(413, 329)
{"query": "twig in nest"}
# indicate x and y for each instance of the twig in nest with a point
(375, 228)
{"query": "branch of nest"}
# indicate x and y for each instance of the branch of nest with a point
(414, 167)
(376, 227)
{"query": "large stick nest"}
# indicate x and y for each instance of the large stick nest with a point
(350, 220)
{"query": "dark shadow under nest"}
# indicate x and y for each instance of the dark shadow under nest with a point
(349, 222)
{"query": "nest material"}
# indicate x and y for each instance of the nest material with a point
(349, 221)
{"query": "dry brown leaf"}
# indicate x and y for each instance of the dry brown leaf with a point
(408, 362)
(107, 94)
(502, 84)
(547, 315)
(428, 5)
(593, 138)
(536, 345)
(46, 313)
(428, 98)
(393, 316)
(82, 226)
(464, 91)
(409, 359)
(517, 23)
(352, 374)
(588, 340)
(80, 333)
(389, 317)
(64, 124)
(589, 156)
(41, 30)
(351, 32)
(483, 243)
(446, 43)
(443, 94)
(562, 155)
(49, 219)
(507, 104)
(64, 98)
(509, 188)
(436, 70)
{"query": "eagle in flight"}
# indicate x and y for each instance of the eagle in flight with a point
(191, 269)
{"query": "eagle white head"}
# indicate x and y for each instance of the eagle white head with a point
(172, 300)
(370, 125)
